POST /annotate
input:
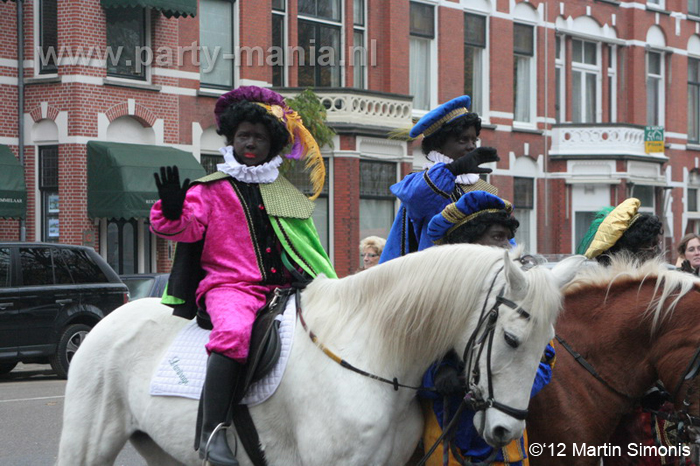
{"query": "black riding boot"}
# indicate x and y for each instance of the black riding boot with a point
(219, 386)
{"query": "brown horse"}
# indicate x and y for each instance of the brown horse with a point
(634, 325)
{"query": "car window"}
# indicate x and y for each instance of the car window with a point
(4, 267)
(82, 268)
(61, 273)
(37, 267)
(139, 287)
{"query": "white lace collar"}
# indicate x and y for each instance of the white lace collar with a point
(265, 173)
(438, 157)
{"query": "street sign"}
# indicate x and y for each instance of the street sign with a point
(653, 139)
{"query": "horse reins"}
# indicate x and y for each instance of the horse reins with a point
(589, 367)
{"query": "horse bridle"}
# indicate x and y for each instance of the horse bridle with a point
(485, 330)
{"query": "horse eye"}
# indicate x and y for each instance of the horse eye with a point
(511, 340)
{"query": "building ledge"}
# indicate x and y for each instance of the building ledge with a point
(131, 84)
(43, 79)
(611, 141)
(360, 108)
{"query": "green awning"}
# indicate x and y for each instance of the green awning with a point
(120, 177)
(169, 8)
(13, 191)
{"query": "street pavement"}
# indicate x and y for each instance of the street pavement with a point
(31, 411)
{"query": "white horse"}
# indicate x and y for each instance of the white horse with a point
(392, 320)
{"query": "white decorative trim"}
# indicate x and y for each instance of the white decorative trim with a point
(506, 115)
(171, 73)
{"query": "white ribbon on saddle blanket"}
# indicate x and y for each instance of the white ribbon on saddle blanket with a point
(182, 370)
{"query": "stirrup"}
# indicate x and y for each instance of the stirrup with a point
(221, 426)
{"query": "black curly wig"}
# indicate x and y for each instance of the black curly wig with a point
(475, 229)
(242, 111)
(640, 240)
(454, 128)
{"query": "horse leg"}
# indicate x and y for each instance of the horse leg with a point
(152, 453)
(93, 432)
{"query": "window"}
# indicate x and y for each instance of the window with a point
(81, 266)
(359, 51)
(326, 9)
(585, 73)
(300, 178)
(376, 201)
(422, 30)
(559, 79)
(692, 199)
(694, 7)
(278, 42)
(48, 188)
(123, 247)
(524, 192)
(693, 100)
(4, 267)
(583, 221)
(474, 52)
(524, 68)
(655, 92)
(612, 83)
(48, 35)
(320, 54)
(216, 40)
(210, 161)
(37, 266)
(646, 196)
(126, 40)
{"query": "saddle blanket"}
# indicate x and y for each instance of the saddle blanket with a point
(182, 370)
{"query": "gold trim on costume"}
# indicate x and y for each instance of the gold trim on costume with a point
(453, 114)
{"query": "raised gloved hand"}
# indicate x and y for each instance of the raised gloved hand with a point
(470, 162)
(172, 195)
(447, 381)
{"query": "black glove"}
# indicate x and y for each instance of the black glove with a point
(172, 195)
(470, 162)
(447, 381)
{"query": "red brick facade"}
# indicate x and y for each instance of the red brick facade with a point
(83, 102)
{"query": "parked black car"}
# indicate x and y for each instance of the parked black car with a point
(145, 285)
(51, 295)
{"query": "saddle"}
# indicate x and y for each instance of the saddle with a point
(265, 344)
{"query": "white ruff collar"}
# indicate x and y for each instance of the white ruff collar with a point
(265, 173)
(437, 157)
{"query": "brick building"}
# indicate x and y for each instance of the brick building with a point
(565, 90)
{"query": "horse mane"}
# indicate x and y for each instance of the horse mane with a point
(431, 294)
(670, 286)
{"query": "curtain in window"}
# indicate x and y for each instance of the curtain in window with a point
(522, 88)
(523, 235)
(653, 84)
(376, 216)
(472, 76)
(591, 93)
(419, 73)
(216, 37)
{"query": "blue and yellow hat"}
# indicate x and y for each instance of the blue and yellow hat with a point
(466, 209)
(434, 119)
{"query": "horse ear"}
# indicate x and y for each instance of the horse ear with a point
(565, 271)
(515, 277)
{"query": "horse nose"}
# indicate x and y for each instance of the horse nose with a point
(501, 434)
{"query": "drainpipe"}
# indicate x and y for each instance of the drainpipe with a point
(20, 100)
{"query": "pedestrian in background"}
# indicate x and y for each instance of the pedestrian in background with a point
(689, 253)
(370, 250)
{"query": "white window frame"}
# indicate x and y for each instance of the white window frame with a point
(612, 82)
(656, 4)
(587, 69)
(37, 44)
(433, 59)
(560, 64)
(364, 66)
(484, 69)
(341, 41)
(532, 124)
(234, 42)
(697, 123)
(148, 44)
(285, 41)
(661, 84)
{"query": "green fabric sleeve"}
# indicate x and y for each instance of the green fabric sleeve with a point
(301, 242)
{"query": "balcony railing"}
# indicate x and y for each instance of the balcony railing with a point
(600, 140)
(357, 107)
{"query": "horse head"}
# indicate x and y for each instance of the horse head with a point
(514, 334)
